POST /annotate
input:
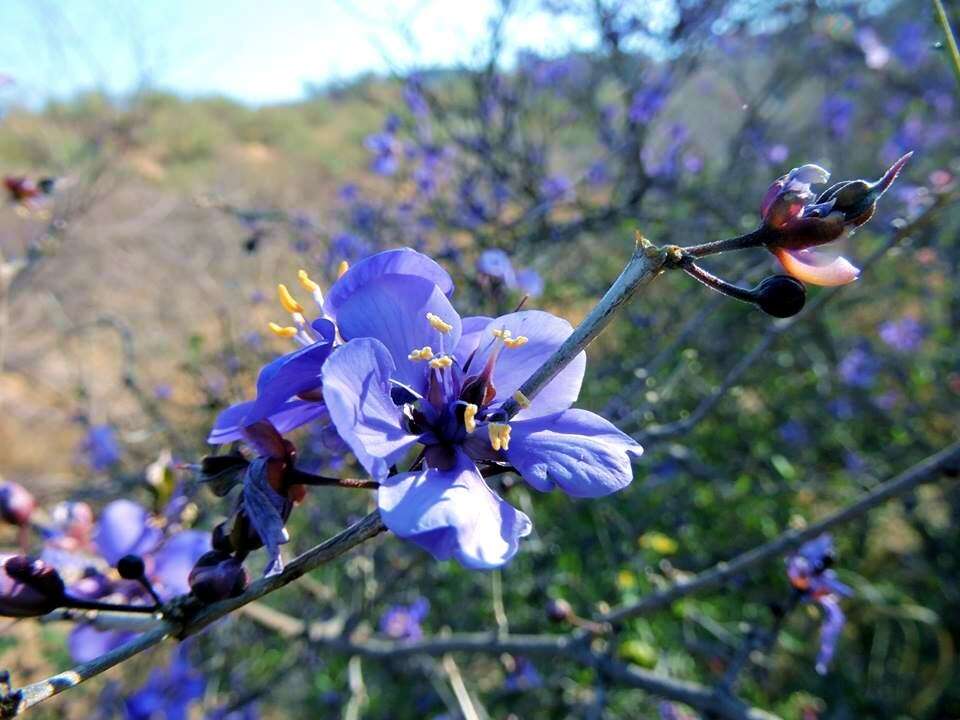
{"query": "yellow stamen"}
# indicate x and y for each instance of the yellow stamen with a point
(516, 342)
(285, 332)
(499, 436)
(342, 269)
(424, 353)
(522, 400)
(501, 333)
(306, 283)
(441, 362)
(470, 417)
(437, 324)
(286, 299)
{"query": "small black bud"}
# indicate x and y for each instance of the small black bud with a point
(217, 576)
(780, 296)
(220, 539)
(559, 610)
(131, 567)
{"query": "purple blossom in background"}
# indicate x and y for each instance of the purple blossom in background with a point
(385, 148)
(496, 263)
(910, 46)
(810, 573)
(414, 98)
(794, 433)
(101, 448)
(412, 372)
(859, 367)
(903, 335)
(530, 283)
(523, 676)
(169, 692)
(598, 173)
(836, 112)
(647, 102)
(557, 188)
(403, 622)
(777, 154)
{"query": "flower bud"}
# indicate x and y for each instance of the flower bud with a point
(559, 610)
(217, 576)
(29, 588)
(222, 472)
(16, 503)
(781, 296)
(131, 567)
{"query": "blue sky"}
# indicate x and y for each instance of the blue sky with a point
(239, 47)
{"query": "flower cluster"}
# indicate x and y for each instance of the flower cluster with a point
(400, 374)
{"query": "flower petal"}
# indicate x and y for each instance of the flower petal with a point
(472, 332)
(124, 529)
(453, 514)
(393, 309)
(812, 267)
(544, 333)
(577, 451)
(356, 381)
(286, 377)
(403, 261)
(265, 508)
(86, 643)
(292, 415)
(175, 559)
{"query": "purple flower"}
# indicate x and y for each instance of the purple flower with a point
(403, 622)
(837, 112)
(810, 574)
(910, 46)
(16, 503)
(522, 676)
(903, 335)
(859, 367)
(793, 432)
(647, 102)
(414, 98)
(101, 447)
(496, 264)
(530, 283)
(412, 372)
(169, 692)
(557, 188)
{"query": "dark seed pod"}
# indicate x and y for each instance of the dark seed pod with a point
(217, 576)
(131, 567)
(559, 610)
(780, 296)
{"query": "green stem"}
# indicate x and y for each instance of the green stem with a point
(944, 21)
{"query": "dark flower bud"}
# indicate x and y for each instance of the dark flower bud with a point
(780, 296)
(131, 567)
(559, 610)
(220, 539)
(217, 576)
(222, 472)
(29, 588)
(16, 503)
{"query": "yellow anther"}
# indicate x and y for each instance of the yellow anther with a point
(499, 436)
(441, 362)
(306, 283)
(437, 324)
(516, 342)
(424, 353)
(501, 333)
(342, 268)
(280, 331)
(286, 299)
(470, 417)
(522, 400)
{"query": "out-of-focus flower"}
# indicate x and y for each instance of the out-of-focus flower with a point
(837, 114)
(25, 191)
(647, 102)
(413, 372)
(859, 367)
(910, 45)
(810, 573)
(797, 221)
(404, 622)
(16, 503)
(169, 692)
(557, 188)
(530, 282)
(101, 448)
(903, 335)
(794, 433)
(523, 675)
(495, 263)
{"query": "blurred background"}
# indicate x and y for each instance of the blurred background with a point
(200, 153)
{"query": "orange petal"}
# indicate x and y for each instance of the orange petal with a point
(811, 267)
